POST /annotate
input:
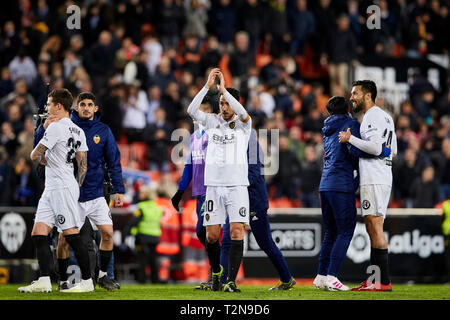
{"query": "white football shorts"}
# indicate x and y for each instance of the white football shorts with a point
(375, 199)
(221, 202)
(97, 210)
(59, 207)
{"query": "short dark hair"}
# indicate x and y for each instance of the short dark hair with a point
(85, 95)
(62, 96)
(367, 86)
(337, 105)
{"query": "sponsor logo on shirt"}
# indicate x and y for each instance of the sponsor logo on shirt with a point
(225, 139)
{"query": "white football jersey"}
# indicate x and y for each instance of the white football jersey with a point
(62, 139)
(377, 125)
(226, 156)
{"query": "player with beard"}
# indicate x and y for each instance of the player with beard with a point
(377, 130)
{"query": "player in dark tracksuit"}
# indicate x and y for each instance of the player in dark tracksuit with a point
(102, 148)
(259, 222)
(337, 193)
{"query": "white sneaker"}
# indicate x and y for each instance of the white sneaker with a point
(320, 282)
(42, 284)
(82, 286)
(333, 284)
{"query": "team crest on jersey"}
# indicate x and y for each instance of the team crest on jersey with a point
(242, 211)
(96, 139)
(60, 218)
(366, 204)
(207, 217)
(232, 125)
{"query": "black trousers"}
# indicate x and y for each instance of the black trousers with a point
(147, 255)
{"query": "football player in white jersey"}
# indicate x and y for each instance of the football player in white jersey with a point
(58, 206)
(377, 130)
(226, 176)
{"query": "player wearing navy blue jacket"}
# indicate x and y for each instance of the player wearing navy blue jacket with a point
(92, 204)
(337, 193)
(259, 221)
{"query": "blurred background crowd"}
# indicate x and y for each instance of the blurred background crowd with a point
(145, 61)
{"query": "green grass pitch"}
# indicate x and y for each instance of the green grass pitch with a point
(249, 292)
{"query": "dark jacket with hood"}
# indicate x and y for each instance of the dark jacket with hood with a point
(340, 159)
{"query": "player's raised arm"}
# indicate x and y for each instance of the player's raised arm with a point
(194, 107)
(234, 104)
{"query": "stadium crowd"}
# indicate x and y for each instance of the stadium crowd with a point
(145, 60)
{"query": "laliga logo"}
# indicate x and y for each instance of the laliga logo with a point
(12, 231)
(359, 249)
(410, 242)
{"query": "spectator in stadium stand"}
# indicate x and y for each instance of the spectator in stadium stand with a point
(425, 104)
(154, 102)
(439, 20)
(157, 136)
(222, 22)
(407, 109)
(211, 57)
(6, 84)
(191, 54)
(241, 58)
(135, 109)
(11, 43)
(311, 172)
(80, 50)
(169, 23)
(325, 18)
(23, 67)
(340, 52)
(302, 25)
(251, 19)
(285, 180)
(425, 189)
(7, 179)
(405, 171)
(164, 73)
(101, 59)
(154, 49)
(110, 108)
(8, 139)
(171, 102)
(21, 96)
(196, 15)
(276, 27)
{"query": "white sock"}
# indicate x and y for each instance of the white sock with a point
(102, 274)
